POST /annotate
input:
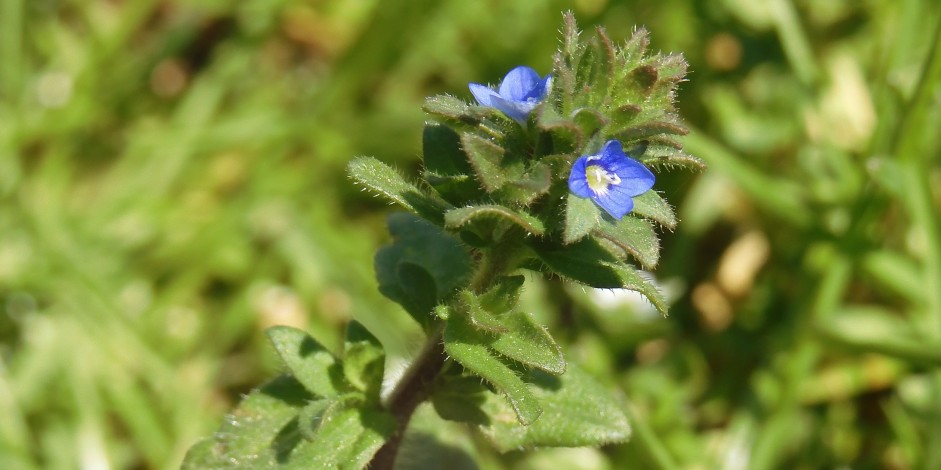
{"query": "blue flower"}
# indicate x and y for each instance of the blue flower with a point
(519, 93)
(611, 179)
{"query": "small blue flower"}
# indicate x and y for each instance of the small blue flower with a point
(519, 93)
(611, 179)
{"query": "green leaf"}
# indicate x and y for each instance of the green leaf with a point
(347, 436)
(378, 427)
(385, 181)
(564, 63)
(635, 236)
(483, 310)
(566, 135)
(448, 107)
(589, 120)
(637, 85)
(258, 433)
(487, 159)
(666, 151)
(512, 334)
(456, 218)
(504, 294)
(363, 360)
(442, 154)
(309, 362)
(456, 112)
(459, 398)
(480, 317)
(446, 165)
(622, 116)
(418, 288)
(578, 411)
(672, 68)
(581, 216)
(202, 455)
(431, 443)
(535, 182)
(595, 70)
(528, 343)
(589, 263)
(464, 346)
(421, 244)
(648, 130)
(632, 53)
(653, 207)
(309, 418)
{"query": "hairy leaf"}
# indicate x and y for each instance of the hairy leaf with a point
(566, 134)
(653, 207)
(455, 111)
(509, 332)
(455, 218)
(535, 182)
(309, 362)
(363, 360)
(260, 433)
(487, 159)
(581, 216)
(578, 411)
(589, 263)
(464, 346)
(635, 236)
(423, 245)
(504, 294)
(385, 181)
(459, 398)
(648, 129)
(446, 165)
(480, 317)
(346, 436)
(528, 343)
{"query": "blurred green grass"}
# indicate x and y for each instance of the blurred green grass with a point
(171, 183)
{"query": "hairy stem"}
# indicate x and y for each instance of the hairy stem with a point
(415, 385)
(411, 391)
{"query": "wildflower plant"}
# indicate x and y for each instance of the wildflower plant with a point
(532, 178)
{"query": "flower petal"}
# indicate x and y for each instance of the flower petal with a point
(518, 83)
(542, 90)
(616, 202)
(483, 94)
(636, 179)
(516, 110)
(613, 150)
(578, 180)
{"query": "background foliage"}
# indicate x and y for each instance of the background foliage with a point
(172, 182)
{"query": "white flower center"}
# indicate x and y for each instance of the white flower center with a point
(599, 179)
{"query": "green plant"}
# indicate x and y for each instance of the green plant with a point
(495, 199)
